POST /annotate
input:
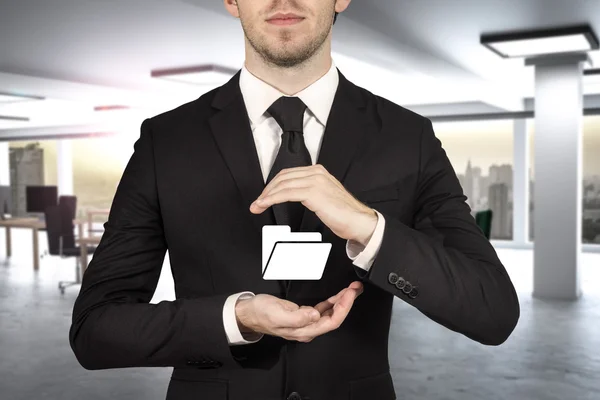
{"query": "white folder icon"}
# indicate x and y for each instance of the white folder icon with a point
(290, 255)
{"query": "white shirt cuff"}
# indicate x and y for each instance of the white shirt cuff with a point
(232, 331)
(364, 256)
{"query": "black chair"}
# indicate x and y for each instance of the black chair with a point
(61, 239)
(484, 220)
(69, 201)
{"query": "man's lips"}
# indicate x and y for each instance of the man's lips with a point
(284, 19)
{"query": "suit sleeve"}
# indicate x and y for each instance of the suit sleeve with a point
(113, 323)
(443, 265)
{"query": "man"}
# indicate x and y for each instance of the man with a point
(319, 154)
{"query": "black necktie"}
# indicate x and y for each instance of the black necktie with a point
(289, 114)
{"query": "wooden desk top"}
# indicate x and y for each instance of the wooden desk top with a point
(22, 223)
(98, 211)
(89, 240)
(29, 223)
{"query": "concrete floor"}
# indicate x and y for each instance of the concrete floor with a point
(553, 354)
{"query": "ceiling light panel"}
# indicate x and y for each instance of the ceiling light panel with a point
(542, 42)
(197, 75)
(6, 98)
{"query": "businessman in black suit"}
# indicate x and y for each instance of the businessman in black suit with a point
(288, 140)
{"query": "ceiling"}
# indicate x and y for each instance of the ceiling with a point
(419, 53)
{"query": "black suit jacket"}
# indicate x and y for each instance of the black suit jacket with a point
(188, 187)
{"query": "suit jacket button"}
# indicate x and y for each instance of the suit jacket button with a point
(400, 283)
(413, 293)
(407, 288)
(393, 278)
(294, 396)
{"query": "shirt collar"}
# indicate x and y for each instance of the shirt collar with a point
(318, 97)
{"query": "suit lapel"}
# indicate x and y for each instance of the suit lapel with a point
(346, 127)
(233, 135)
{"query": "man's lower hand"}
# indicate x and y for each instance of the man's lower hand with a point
(271, 315)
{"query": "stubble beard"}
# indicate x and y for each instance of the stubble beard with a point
(284, 53)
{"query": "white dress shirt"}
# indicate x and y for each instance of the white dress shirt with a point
(318, 97)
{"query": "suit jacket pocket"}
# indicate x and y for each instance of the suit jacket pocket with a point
(378, 194)
(378, 386)
(180, 389)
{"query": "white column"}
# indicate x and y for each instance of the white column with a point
(64, 159)
(558, 171)
(520, 182)
(4, 164)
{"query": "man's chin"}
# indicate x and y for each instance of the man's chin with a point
(286, 63)
(286, 59)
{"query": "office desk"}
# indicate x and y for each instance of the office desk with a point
(35, 225)
(90, 215)
(29, 223)
(84, 242)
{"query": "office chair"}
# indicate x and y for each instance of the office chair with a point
(61, 239)
(69, 201)
(483, 219)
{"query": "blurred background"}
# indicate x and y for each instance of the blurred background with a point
(517, 113)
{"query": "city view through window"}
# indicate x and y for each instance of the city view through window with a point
(481, 153)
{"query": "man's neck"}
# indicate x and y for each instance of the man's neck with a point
(289, 80)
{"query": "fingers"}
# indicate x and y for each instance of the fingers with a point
(288, 305)
(357, 285)
(298, 194)
(344, 305)
(326, 304)
(287, 177)
(292, 178)
(327, 313)
(287, 187)
(304, 323)
(332, 318)
(297, 318)
(294, 173)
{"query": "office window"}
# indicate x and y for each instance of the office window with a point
(32, 163)
(591, 179)
(35, 151)
(530, 134)
(481, 153)
(98, 164)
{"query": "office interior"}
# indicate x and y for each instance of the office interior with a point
(513, 91)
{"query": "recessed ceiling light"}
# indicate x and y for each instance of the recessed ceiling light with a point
(11, 118)
(579, 38)
(111, 108)
(209, 74)
(16, 98)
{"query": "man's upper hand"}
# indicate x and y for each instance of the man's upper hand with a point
(322, 193)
